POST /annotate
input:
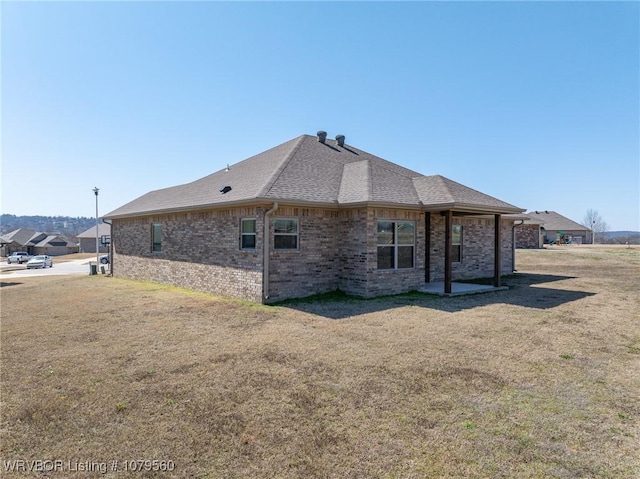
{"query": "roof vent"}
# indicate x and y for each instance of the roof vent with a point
(225, 189)
(322, 135)
(340, 140)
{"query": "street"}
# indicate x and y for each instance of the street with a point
(76, 266)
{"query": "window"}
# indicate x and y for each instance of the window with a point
(285, 233)
(156, 238)
(396, 244)
(456, 244)
(248, 234)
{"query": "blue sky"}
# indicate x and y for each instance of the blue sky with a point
(535, 103)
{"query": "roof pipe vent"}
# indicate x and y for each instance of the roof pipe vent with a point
(340, 140)
(322, 135)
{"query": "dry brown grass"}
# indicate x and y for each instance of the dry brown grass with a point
(539, 381)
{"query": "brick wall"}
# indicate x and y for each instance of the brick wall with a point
(200, 251)
(337, 249)
(354, 251)
(477, 248)
(88, 245)
(394, 281)
(528, 236)
(312, 268)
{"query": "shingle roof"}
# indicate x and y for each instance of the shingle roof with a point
(20, 236)
(50, 239)
(555, 221)
(103, 229)
(306, 171)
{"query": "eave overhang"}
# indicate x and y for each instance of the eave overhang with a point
(456, 208)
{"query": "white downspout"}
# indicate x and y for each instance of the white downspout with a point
(266, 247)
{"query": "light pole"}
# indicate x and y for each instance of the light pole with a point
(95, 190)
(593, 232)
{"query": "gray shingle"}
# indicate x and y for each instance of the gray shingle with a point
(303, 170)
(555, 221)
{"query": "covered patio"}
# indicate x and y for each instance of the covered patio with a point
(459, 289)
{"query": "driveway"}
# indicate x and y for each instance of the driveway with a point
(76, 266)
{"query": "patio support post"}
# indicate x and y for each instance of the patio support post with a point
(427, 247)
(496, 254)
(447, 252)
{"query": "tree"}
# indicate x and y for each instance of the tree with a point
(596, 224)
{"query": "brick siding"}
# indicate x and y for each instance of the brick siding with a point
(477, 248)
(528, 236)
(200, 251)
(337, 249)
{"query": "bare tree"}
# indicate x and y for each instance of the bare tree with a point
(596, 224)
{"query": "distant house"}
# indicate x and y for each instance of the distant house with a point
(313, 215)
(16, 240)
(88, 238)
(54, 245)
(33, 242)
(547, 227)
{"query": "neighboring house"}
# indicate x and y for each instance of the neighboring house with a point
(309, 216)
(33, 242)
(55, 245)
(16, 240)
(549, 226)
(88, 238)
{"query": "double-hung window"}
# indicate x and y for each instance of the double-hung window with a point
(156, 238)
(456, 244)
(248, 233)
(396, 244)
(285, 233)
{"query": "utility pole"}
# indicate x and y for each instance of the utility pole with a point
(95, 190)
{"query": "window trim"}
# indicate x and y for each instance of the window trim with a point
(153, 238)
(296, 234)
(458, 245)
(243, 234)
(396, 245)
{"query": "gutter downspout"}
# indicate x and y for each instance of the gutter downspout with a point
(266, 247)
(513, 244)
(110, 245)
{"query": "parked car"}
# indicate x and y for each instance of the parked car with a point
(106, 259)
(40, 261)
(19, 257)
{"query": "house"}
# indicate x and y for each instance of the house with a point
(34, 242)
(16, 240)
(313, 215)
(88, 238)
(54, 245)
(548, 226)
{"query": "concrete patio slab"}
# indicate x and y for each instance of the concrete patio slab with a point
(459, 289)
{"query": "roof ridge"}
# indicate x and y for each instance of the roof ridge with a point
(276, 174)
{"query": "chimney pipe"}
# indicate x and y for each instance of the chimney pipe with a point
(340, 140)
(322, 135)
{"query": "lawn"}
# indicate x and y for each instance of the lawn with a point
(542, 380)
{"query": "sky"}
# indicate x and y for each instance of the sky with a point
(535, 103)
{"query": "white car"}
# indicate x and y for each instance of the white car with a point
(19, 257)
(40, 261)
